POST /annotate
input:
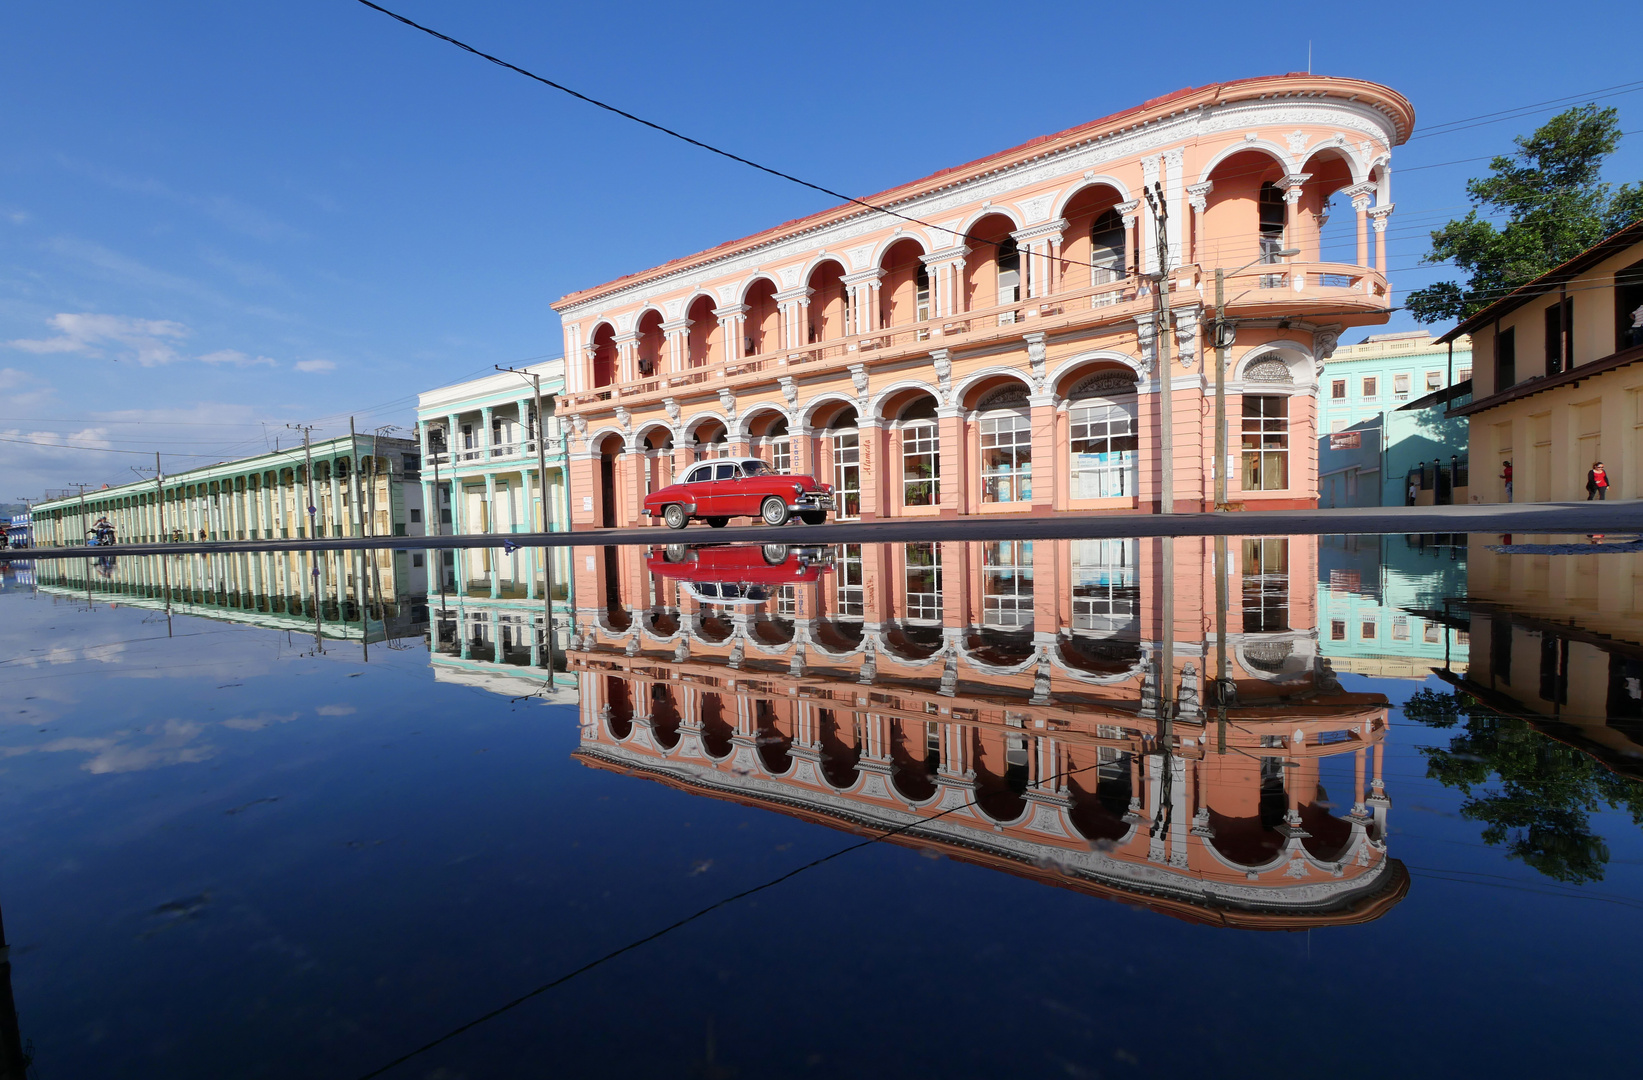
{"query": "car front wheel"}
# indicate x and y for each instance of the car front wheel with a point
(774, 510)
(813, 517)
(676, 517)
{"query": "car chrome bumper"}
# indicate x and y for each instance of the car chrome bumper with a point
(811, 501)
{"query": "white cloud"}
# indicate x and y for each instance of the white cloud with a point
(315, 366)
(237, 359)
(148, 341)
(335, 710)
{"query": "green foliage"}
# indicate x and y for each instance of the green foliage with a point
(1555, 205)
(1540, 800)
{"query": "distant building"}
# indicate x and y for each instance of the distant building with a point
(20, 530)
(1381, 604)
(363, 485)
(1559, 387)
(479, 470)
(1382, 404)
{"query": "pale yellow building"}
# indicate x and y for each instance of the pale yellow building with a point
(1556, 381)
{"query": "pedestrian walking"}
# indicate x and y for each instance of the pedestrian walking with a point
(1506, 475)
(1414, 491)
(1597, 483)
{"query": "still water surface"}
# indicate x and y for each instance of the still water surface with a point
(940, 809)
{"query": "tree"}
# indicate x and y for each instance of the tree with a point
(1540, 804)
(1555, 205)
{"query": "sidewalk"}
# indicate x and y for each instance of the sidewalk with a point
(1576, 519)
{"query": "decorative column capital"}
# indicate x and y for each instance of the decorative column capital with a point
(1292, 185)
(1198, 195)
(1127, 210)
(952, 254)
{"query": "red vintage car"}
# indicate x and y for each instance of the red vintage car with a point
(738, 574)
(723, 488)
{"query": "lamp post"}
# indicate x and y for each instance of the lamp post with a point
(1225, 333)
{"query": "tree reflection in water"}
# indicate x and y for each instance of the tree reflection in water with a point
(1532, 795)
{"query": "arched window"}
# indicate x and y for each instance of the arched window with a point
(1273, 216)
(1006, 448)
(921, 293)
(780, 445)
(1107, 246)
(1266, 442)
(1102, 447)
(847, 582)
(1105, 587)
(923, 583)
(1009, 271)
(846, 465)
(1007, 583)
(920, 455)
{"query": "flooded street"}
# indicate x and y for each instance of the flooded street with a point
(1060, 807)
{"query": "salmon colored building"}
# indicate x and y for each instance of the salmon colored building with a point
(1017, 705)
(993, 349)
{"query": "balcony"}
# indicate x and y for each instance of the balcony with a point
(518, 453)
(1291, 290)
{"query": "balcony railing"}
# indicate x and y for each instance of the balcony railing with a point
(522, 451)
(1295, 285)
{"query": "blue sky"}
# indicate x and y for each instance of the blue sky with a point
(218, 219)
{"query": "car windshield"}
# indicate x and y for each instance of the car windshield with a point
(755, 467)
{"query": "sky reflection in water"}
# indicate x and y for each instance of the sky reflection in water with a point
(230, 852)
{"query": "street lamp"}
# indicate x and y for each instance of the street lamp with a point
(1225, 333)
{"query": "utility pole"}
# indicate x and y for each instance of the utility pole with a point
(1222, 340)
(542, 497)
(1161, 332)
(159, 498)
(1221, 687)
(308, 459)
(353, 471)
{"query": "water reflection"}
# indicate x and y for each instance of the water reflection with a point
(370, 596)
(1546, 702)
(1017, 705)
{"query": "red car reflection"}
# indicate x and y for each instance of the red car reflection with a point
(738, 574)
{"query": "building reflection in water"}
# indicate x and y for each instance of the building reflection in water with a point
(488, 608)
(15, 1055)
(374, 596)
(1556, 639)
(1013, 704)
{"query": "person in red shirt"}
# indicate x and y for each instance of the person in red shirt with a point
(1506, 475)
(1597, 483)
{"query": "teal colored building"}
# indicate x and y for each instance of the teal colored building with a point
(1382, 422)
(1381, 604)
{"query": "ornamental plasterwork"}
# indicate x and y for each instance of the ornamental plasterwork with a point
(1174, 157)
(1037, 208)
(1271, 369)
(1096, 154)
(790, 390)
(1149, 171)
(674, 309)
(1296, 141)
(1013, 395)
(789, 276)
(860, 257)
(1104, 383)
